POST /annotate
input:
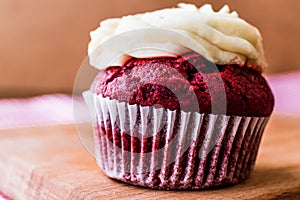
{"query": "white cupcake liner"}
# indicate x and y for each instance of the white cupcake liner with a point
(195, 150)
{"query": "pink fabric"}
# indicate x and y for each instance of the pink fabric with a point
(286, 88)
(36, 111)
(3, 197)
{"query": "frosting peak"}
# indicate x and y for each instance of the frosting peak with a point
(226, 38)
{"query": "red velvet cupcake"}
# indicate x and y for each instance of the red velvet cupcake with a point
(188, 120)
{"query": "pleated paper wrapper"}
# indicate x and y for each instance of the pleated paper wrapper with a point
(164, 149)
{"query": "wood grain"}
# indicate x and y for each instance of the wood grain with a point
(51, 163)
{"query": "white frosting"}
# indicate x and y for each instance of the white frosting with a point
(223, 37)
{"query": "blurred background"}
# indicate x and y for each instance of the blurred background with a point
(43, 43)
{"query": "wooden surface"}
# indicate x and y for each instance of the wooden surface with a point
(51, 163)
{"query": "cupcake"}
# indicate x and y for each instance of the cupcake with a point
(187, 114)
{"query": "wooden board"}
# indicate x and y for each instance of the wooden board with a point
(51, 163)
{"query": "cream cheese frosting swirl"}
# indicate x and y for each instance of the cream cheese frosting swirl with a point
(226, 38)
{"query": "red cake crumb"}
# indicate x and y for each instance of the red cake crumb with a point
(180, 83)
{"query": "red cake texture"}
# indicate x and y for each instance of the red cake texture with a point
(185, 83)
(176, 83)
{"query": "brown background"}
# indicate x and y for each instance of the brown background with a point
(42, 43)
